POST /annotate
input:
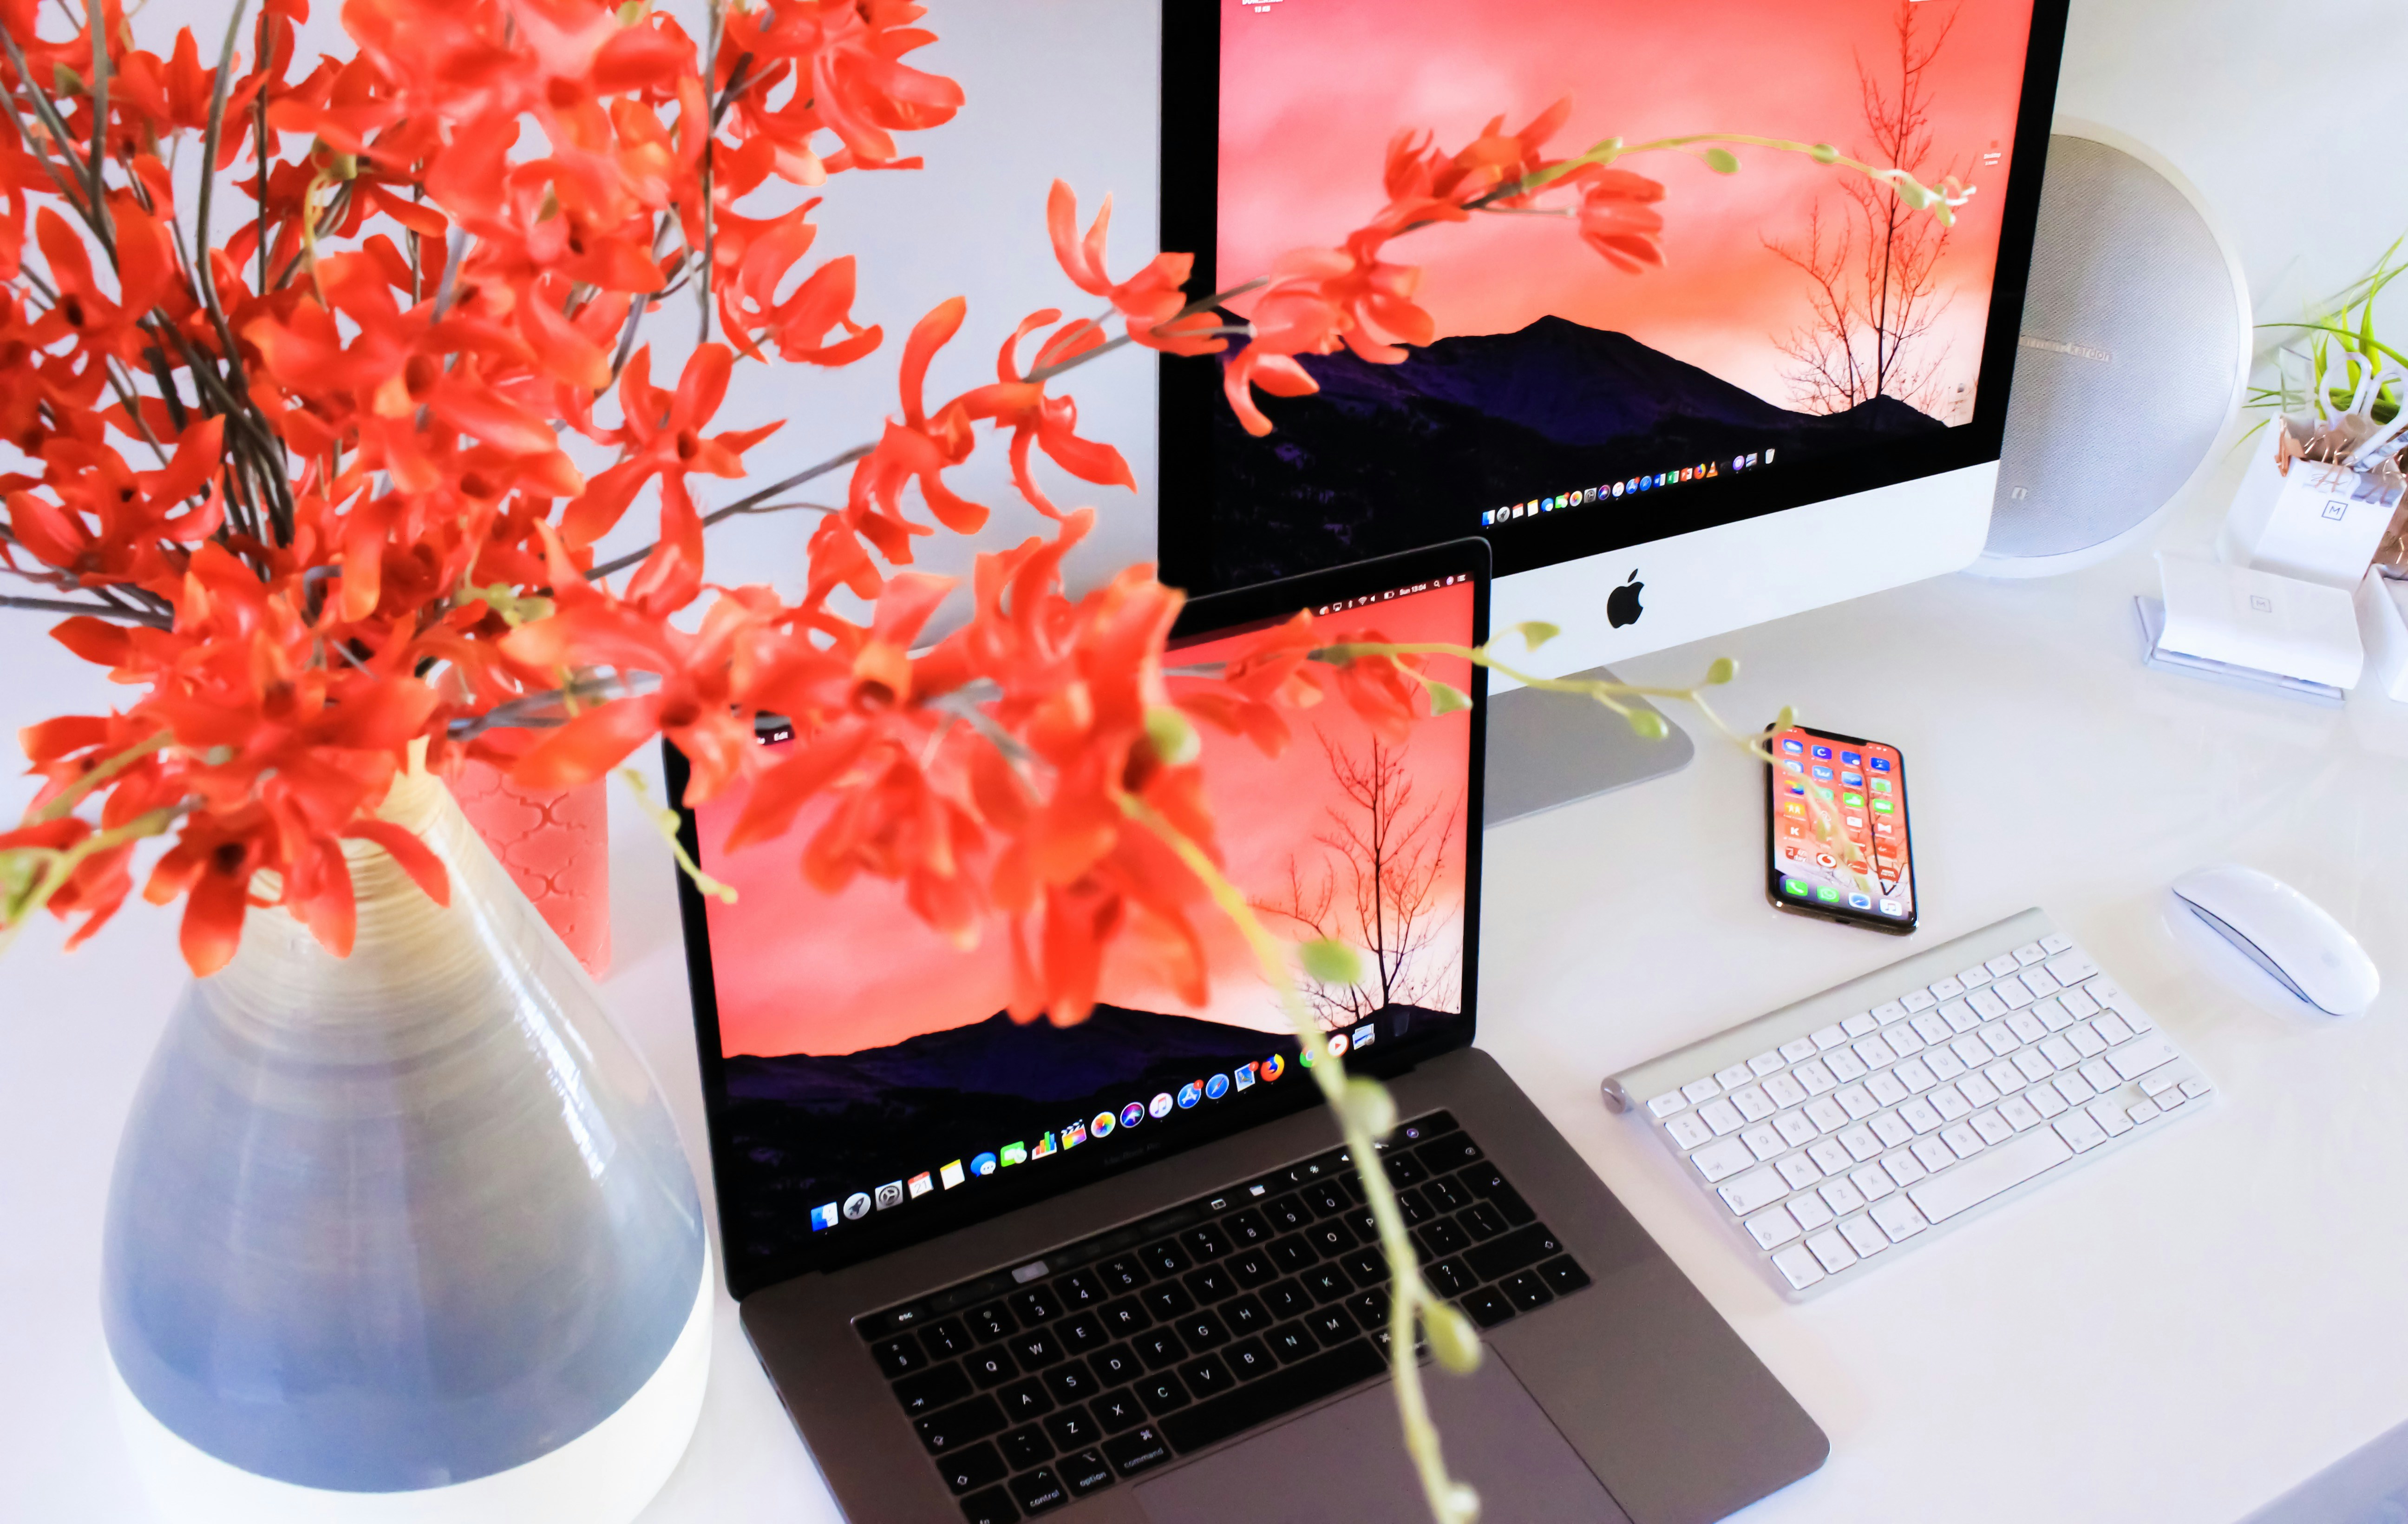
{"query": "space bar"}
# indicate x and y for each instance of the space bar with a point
(1978, 1179)
(1260, 1402)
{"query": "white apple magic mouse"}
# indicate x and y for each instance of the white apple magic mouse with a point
(2282, 931)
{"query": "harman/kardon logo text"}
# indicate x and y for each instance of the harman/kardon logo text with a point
(2058, 346)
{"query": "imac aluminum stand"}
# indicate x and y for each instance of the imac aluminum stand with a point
(1550, 749)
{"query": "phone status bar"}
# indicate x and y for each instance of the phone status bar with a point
(1630, 486)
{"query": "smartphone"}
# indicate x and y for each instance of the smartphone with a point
(1837, 842)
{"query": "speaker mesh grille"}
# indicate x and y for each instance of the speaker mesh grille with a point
(2124, 375)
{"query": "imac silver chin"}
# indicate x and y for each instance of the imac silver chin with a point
(1545, 749)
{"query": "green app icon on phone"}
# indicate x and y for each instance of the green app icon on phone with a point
(1828, 895)
(1794, 886)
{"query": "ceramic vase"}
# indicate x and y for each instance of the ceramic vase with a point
(407, 1236)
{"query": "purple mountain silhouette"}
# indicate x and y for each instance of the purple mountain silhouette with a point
(1385, 458)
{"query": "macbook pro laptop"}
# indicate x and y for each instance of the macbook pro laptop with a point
(1122, 1270)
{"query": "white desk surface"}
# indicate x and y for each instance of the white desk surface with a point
(2182, 1333)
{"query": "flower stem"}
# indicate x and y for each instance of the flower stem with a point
(1363, 1114)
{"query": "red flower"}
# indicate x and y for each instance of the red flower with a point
(663, 437)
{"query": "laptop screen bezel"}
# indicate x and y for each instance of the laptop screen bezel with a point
(1220, 613)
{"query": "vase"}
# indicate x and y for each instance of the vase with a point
(407, 1236)
(556, 843)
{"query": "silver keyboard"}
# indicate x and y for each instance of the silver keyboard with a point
(1872, 1117)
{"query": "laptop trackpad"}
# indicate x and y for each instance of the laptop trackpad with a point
(1348, 1460)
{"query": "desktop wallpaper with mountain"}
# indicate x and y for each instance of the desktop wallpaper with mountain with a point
(859, 1047)
(1797, 310)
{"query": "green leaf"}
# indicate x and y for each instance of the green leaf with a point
(1536, 632)
(1722, 161)
(1722, 671)
(1330, 962)
(1451, 1337)
(1787, 717)
(1175, 741)
(1369, 1106)
(1649, 724)
(1445, 697)
(1823, 153)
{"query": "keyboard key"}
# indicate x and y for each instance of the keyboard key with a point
(1718, 1161)
(2017, 1113)
(1876, 1053)
(1962, 1139)
(1856, 1102)
(1207, 1377)
(932, 1389)
(1898, 1218)
(1161, 1392)
(1795, 1128)
(1798, 1049)
(1831, 1251)
(1863, 1024)
(1887, 1089)
(1773, 1228)
(1947, 989)
(1932, 1026)
(1972, 1050)
(1999, 1170)
(1977, 974)
(992, 1367)
(992, 1506)
(1917, 1000)
(1826, 1114)
(1487, 1308)
(1892, 1132)
(1084, 1473)
(1025, 1399)
(1903, 1167)
(2111, 1120)
(1752, 1102)
(1039, 1493)
(2086, 1041)
(1917, 1075)
(1117, 1411)
(1904, 1040)
(1839, 1197)
(1167, 1299)
(1070, 1383)
(2143, 1111)
(2005, 963)
(1809, 1211)
(1826, 1038)
(2138, 1057)
(1799, 1171)
(1948, 1101)
(1861, 1142)
(991, 1322)
(1038, 1304)
(2060, 1050)
(1113, 1366)
(1705, 1090)
(1943, 1063)
(1844, 1065)
(2021, 1027)
(1978, 1091)
(2075, 1088)
(1731, 1078)
(2195, 1088)
(1483, 1220)
(2056, 942)
(1920, 1115)
(1966, 1014)
(1721, 1115)
(1764, 1142)
(1934, 1154)
(1752, 1191)
(1765, 1063)
(2005, 1078)
(1026, 1447)
(1259, 1402)
(1992, 1127)
(1525, 1290)
(1873, 1182)
(1249, 1358)
(2045, 1100)
(1829, 1156)
(1798, 1265)
(2040, 982)
(972, 1466)
(962, 1424)
(2033, 1066)
(1136, 1451)
(2077, 1005)
(1863, 1236)
(1986, 1003)
(1563, 1274)
(1784, 1091)
(1814, 1077)
(1524, 1246)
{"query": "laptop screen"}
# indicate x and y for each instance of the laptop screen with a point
(870, 1088)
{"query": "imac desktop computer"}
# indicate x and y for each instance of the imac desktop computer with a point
(1787, 388)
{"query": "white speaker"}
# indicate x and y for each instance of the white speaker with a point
(2133, 356)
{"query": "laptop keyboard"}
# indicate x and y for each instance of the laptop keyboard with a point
(1036, 1386)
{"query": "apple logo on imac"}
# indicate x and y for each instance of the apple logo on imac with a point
(1621, 605)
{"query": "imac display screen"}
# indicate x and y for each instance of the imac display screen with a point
(1789, 318)
(872, 1089)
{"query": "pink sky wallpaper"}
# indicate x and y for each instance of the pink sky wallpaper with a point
(803, 973)
(1303, 144)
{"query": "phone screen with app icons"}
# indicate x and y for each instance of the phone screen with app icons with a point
(1838, 844)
